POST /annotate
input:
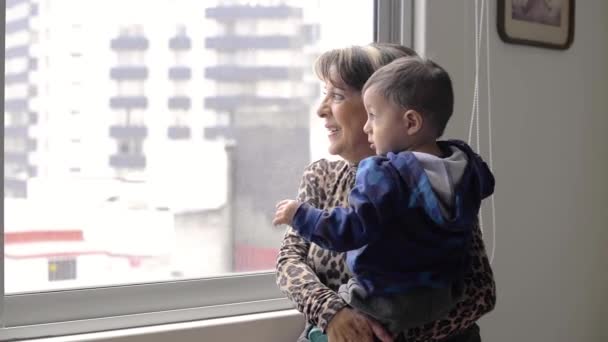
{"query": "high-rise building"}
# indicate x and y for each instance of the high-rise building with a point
(130, 103)
(20, 89)
(203, 117)
(180, 75)
(263, 94)
(56, 86)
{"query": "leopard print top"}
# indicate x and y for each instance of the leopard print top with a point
(310, 275)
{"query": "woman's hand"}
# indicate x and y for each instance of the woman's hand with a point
(286, 209)
(349, 325)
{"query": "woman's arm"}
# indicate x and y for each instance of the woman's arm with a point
(479, 297)
(299, 282)
(295, 277)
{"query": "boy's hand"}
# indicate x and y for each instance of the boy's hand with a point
(286, 209)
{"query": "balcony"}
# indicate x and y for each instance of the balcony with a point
(180, 43)
(244, 42)
(33, 63)
(12, 3)
(122, 73)
(216, 132)
(17, 51)
(129, 43)
(128, 161)
(234, 102)
(237, 12)
(21, 77)
(180, 73)
(129, 102)
(233, 73)
(19, 158)
(125, 132)
(311, 33)
(179, 103)
(16, 105)
(15, 187)
(178, 132)
(15, 131)
(32, 145)
(13, 26)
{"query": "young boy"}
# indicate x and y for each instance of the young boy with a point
(408, 229)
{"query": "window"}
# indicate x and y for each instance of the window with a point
(15, 66)
(135, 117)
(192, 229)
(130, 88)
(182, 57)
(180, 88)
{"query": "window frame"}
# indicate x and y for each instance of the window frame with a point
(78, 311)
(394, 21)
(56, 313)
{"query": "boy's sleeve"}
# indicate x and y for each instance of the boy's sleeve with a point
(296, 275)
(372, 203)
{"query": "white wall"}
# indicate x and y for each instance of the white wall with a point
(550, 124)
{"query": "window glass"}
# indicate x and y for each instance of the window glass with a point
(156, 149)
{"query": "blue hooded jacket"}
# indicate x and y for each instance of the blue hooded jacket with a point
(400, 232)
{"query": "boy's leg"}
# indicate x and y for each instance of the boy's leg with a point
(400, 312)
(356, 296)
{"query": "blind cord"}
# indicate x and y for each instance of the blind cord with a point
(481, 9)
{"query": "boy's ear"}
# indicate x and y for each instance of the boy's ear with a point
(412, 121)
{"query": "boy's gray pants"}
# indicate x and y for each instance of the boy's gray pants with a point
(402, 311)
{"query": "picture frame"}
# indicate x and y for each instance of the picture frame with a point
(541, 23)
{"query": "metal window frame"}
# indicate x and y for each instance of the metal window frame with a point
(57, 313)
(68, 312)
(393, 21)
(2, 37)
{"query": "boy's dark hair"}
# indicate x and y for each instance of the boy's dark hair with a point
(419, 84)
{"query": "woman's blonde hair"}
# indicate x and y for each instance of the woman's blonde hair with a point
(354, 65)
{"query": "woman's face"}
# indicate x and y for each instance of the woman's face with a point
(342, 109)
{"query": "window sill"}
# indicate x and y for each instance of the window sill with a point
(284, 325)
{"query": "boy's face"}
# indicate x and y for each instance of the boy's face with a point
(386, 126)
